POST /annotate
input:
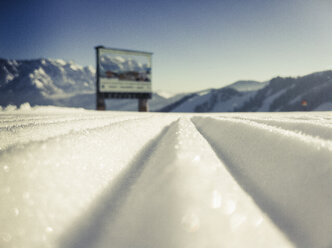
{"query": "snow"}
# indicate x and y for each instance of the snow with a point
(191, 103)
(269, 100)
(204, 92)
(231, 104)
(327, 106)
(9, 77)
(75, 67)
(91, 69)
(279, 169)
(60, 61)
(74, 178)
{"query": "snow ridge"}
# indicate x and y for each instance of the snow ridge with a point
(279, 94)
(278, 168)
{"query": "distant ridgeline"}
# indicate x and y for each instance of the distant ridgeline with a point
(293, 94)
(60, 83)
(308, 93)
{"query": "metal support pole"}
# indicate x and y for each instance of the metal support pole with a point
(143, 105)
(100, 99)
(100, 102)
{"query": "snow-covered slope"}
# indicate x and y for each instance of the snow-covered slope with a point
(279, 94)
(73, 178)
(287, 94)
(215, 100)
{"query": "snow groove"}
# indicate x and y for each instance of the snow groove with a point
(88, 231)
(175, 194)
(42, 131)
(287, 174)
(313, 128)
(45, 185)
(292, 133)
(44, 121)
(17, 122)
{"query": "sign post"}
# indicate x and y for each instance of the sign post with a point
(123, 74)
(100, 101)
(143, 105)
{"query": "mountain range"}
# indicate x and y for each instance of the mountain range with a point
(61, 83)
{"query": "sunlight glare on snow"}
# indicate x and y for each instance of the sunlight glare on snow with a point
(191, 222)
(197, 158)
(216, 199)
(6, 237)
(237, 220)
(229, 207)
(16, 211)
(6, 168)
(259, 221)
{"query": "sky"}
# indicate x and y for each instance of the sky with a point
(196, 44)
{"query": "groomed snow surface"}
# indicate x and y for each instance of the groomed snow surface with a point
(72, 178)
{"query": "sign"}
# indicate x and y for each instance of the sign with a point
(123, 73)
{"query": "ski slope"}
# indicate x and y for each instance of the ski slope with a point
(73, 178)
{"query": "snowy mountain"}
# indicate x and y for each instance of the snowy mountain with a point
(60, 83)
(289, 94)
(213, 100)
(279, 94)
(43, 81)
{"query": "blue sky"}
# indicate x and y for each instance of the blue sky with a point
(196, 44)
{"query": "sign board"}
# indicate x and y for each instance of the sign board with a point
(123, 73)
